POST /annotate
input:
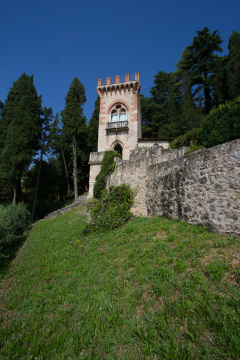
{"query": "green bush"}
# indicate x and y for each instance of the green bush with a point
(193, 135)
(14, 220)
(221, 124)
(112, 210)
(107, 168)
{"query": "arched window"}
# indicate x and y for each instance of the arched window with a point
(114, 115)
(122, 115)
(118, 113)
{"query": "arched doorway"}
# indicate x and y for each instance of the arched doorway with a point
(118, 148)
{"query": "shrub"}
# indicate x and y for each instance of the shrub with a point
(221, 124)
(186, 139)
(14, 220)
(107, 168)
(112, 210)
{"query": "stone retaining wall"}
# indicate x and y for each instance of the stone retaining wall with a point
(201, 188)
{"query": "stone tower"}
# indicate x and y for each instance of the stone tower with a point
(120, 122)
(120, 115)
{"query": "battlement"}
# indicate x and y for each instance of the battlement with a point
(118, 79)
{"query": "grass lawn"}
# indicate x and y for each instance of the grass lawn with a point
(153, 289)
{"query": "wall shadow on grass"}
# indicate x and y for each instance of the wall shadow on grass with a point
(9, 254)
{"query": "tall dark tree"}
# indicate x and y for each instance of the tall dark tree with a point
(1, 107)
(73, 120)
(199, 60)
(3, 128)
(220, 88)
(190, 115)
(160, 112)
(58, 143)
(48, 189)
(150, 121)
(93, 127)
(44, 148)
(233, 66)
(22, 118)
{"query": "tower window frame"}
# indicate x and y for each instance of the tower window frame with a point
(118, 113)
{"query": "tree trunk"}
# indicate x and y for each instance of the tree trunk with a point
(75, 179)
(66, 173)
(14, 194)
(17, 192)
(207, 95)
(37, 186)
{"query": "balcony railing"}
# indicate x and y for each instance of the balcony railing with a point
(117, 125)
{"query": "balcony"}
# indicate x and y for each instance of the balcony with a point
(117, 125)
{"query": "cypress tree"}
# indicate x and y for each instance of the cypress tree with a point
(74, 121)
(93, 127)
(21, 119)
(233, 66)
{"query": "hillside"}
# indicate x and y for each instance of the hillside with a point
(153, 289)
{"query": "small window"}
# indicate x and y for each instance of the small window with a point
(155, 146)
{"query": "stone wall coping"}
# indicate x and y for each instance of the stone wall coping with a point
(157, 139)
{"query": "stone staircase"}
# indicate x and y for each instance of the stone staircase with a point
(65, 209)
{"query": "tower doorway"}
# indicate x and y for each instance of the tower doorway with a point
(118, 148)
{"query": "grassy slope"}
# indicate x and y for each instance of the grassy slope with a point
(154, 289)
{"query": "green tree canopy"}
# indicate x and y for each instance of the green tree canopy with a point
(21, 120)
(199, 61)
(93, 127)
(233, 66)
(74, 122)
(160, 112)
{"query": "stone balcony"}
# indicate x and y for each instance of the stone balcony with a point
(116, 125)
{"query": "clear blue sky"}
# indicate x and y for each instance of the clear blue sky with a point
(56, 40)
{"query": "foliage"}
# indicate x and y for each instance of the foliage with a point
(14, 220)
(59, 143)
(44, 149)
(233, 66)
(199, 60)
(93, 127)
(220, 86)
(152, 289)
(190, 115)
(112, 210)
(187, 139)
(193, 146)
(72, 115)
(49, 190)
(221, 124)
(160, 112)
(20, 133)
(74, 125)
(107, 168)
(202, 80)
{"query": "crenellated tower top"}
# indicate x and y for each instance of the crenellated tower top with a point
(118, 83)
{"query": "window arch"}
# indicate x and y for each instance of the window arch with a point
(118, 113)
